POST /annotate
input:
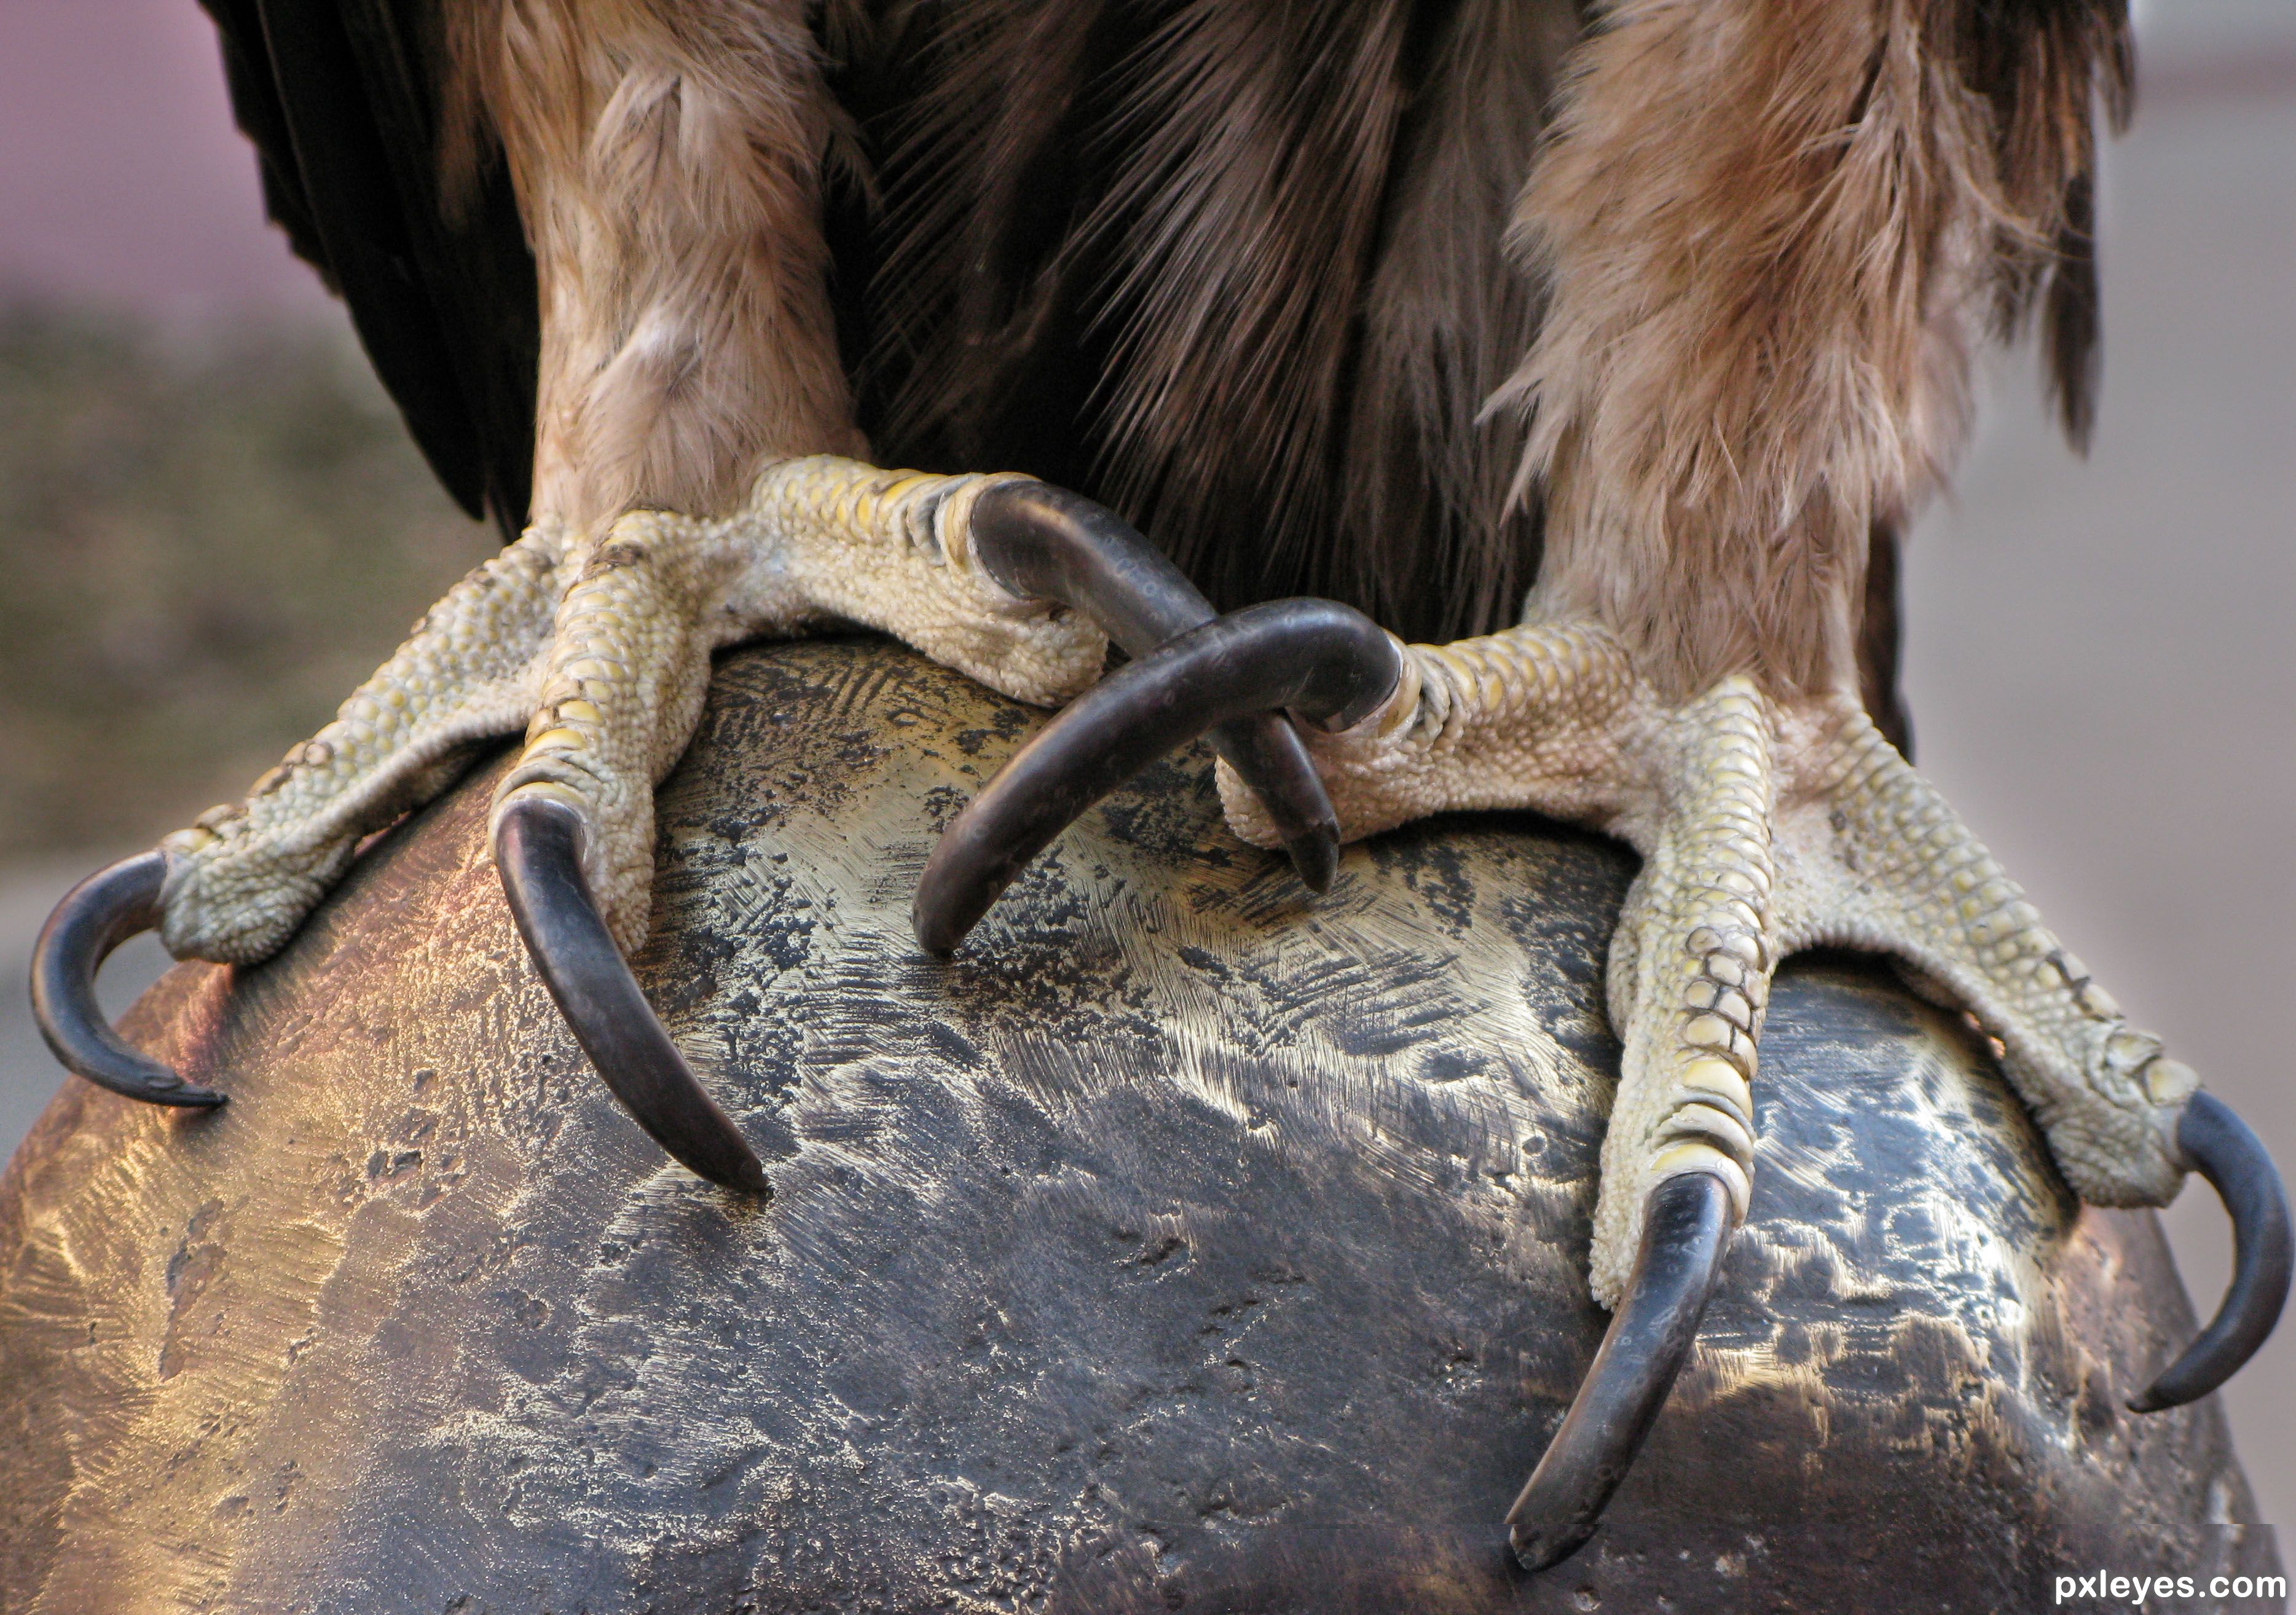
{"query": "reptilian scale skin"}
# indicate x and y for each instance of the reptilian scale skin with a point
(1908, 879)
(1691, 1011)
(601, 652)
(1765, 828)
(242, 878)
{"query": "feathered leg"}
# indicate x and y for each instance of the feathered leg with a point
(693, 489)
(1775, 229)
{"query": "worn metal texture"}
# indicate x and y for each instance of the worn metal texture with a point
(1185, 1244)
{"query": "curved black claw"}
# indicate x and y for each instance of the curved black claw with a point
(1329, 664)
(1045, 543)
(1685, 1231)
(538, 847)
(2232, 1158)
(94, 917)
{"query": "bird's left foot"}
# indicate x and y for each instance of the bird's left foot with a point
(1765, 826)
(599, 648)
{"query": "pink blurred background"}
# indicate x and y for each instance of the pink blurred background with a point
(121, 178)
(2102, 665)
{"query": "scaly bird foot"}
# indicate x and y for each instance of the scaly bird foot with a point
(1765, 826)
(600, 650)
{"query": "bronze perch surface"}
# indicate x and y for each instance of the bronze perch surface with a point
(1199, 1245)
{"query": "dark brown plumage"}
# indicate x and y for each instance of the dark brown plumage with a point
(1235, 267)
(343, 105)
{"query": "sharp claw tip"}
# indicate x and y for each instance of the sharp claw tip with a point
(1537, 1551)
(750, 1177)
(92, 919)
(2222, 1147)
(174, 1095)
(934, 934)
(1315, 856)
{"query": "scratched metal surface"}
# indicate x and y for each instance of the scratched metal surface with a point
(1186, 1244)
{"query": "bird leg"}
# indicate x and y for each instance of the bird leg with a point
(1767, 825)
(600, 650)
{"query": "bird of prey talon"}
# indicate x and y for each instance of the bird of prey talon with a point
(1606, 346)
(1765, 826)
(600, 652)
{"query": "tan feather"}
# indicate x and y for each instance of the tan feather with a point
(1775, 229)
(668, 158)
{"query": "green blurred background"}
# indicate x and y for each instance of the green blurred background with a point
(210, 538)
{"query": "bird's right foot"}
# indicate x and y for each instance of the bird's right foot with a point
(1767, 823)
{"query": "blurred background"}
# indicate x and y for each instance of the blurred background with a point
(212, 528)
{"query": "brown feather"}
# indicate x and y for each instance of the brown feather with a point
(1775, 230)
(668, 156)
(1235, 267)
(1238, 266)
